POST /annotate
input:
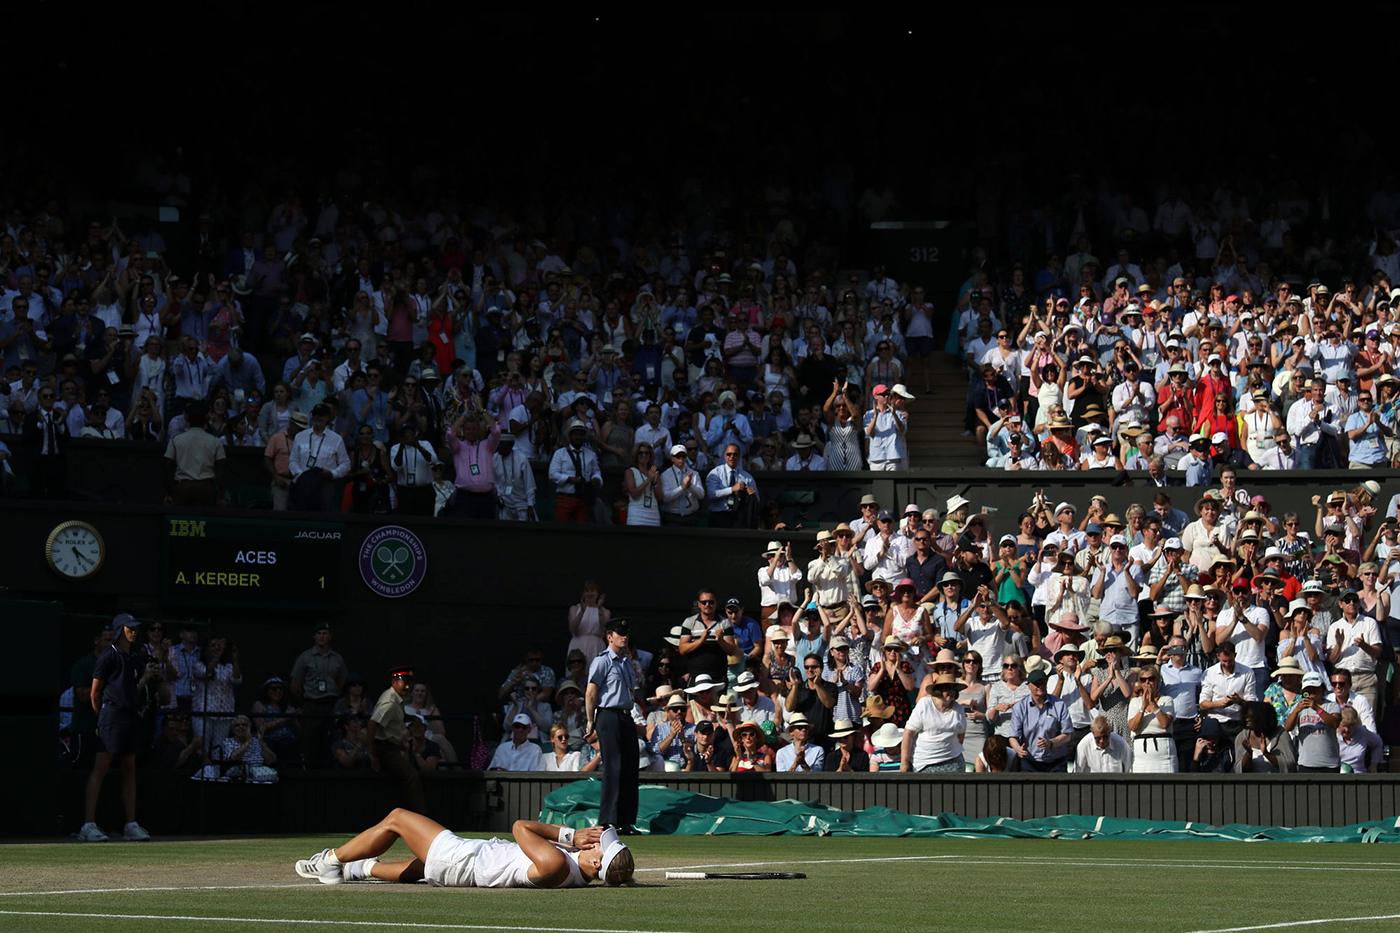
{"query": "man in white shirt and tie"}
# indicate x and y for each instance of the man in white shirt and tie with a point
(318, 462)
(574, 472)
(412, 460)
(682, 490)
(46, 431)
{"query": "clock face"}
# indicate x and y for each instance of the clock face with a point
(75, 550)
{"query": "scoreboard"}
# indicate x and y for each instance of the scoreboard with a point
(252, 563)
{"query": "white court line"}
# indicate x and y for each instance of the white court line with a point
(202, 887)
(342, 923)
(1301, 923)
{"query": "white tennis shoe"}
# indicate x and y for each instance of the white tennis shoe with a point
(133, 832)
(91, 833)
(322, 867)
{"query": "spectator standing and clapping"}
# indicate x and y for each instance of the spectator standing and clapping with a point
(884, 426)
(587, 619)
(473, 458)
(215, 678)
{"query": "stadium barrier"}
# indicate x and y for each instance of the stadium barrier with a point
(133, 472)
(323, 801)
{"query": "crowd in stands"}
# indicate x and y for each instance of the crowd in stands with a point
(1078, 640)
(1236, 639)
(1202, 336)
(422, 362)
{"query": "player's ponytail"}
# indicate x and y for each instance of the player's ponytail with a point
(621, 869)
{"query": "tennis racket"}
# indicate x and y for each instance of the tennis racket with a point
(734, 875)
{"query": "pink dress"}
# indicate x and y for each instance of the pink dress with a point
(589, 639)
(909, 629)
(214, 696)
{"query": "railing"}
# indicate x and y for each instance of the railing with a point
(133, 472)
(346, 801)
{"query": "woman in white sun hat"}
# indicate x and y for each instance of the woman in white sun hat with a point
(956, 515)
(888, 740)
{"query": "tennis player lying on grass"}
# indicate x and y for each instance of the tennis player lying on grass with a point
(542, 856)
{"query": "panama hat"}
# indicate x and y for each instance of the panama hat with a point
(843, 727)
(948, 680)
(701, 683)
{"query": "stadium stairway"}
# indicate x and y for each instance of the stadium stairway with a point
(936, 421)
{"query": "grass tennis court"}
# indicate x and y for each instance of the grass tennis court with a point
(852, 883)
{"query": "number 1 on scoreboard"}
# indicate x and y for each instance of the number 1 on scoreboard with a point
(323, 582)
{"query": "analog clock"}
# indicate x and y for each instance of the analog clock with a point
(75, 550)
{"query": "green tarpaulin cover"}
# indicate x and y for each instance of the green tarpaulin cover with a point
(668, 811)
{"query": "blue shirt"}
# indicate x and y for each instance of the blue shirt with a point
(804, 643)
(945, 615)
(812, 754)
(1197, 471)
(616, 679)
(377, 414)
(1365, 447)
(749, 633)
(1030, 723)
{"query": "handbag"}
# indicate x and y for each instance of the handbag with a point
(480, 755)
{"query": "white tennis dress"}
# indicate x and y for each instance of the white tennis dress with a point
(454, 862)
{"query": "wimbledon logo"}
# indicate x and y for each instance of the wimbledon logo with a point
(393, 561)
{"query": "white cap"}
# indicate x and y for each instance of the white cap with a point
(1062, 506)
(1312, 679)
(1213, 358)
(1117, 539)
(1171, 544)
(522, 719)
(900, 390)
(677, 450)
(1174, 343)
(1218, 437)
